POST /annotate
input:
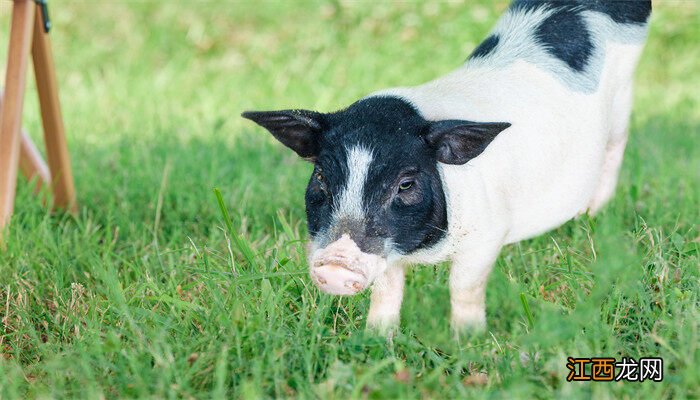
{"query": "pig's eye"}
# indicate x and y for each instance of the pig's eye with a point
(405, 185)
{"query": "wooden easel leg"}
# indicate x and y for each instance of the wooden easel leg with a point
(23, 12)
(54, 133)
(32, 165)
(30, 162)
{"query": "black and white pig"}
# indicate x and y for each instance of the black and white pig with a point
(527, 134)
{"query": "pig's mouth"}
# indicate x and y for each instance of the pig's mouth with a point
(341, 268)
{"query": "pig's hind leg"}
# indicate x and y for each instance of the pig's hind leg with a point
(385, 302)
(614, 153)
(620, 111)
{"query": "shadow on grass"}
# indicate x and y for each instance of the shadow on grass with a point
(623, 283)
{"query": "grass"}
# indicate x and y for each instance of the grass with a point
(149, 292)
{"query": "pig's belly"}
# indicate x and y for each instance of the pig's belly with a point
(555, 193)
(547, 173)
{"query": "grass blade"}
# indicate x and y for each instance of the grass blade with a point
(240, 243)
(526, 308)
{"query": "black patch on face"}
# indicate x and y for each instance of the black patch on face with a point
(486, 47)
(391, 128)
(323, 189)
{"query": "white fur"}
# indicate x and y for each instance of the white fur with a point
(559, 158)
(608, 177)
(350, 204)
(387, 295)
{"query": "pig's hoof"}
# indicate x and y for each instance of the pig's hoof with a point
(387, 327)
(470, 327)
(334, 279)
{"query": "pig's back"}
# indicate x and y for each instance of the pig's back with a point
(564, 111)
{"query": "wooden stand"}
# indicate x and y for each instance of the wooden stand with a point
(28, 34)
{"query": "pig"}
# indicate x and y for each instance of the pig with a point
(527, 134)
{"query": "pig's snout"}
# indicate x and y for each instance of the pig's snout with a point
(336, 279)
(342, 268)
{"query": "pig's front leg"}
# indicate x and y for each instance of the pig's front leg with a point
(385, 302)
(468, 277)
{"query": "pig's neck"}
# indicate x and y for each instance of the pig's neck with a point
(536, 174)
(475, 205)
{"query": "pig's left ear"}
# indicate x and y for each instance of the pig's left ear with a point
(296, 129)
(456, 141)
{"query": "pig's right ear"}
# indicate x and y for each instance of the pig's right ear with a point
(296, 129)
(456, 142)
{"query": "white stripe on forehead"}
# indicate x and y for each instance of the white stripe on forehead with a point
(350, 204)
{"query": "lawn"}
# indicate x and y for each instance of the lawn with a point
(147, 293)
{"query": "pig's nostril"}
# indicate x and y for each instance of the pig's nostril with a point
(354, 285)
(322, 281)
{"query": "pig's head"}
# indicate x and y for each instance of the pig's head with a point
(375, 194)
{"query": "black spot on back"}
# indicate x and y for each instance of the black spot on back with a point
(486, 47)
(620, 11)
(565, 36)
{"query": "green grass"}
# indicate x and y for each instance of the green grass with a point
(148, 292)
